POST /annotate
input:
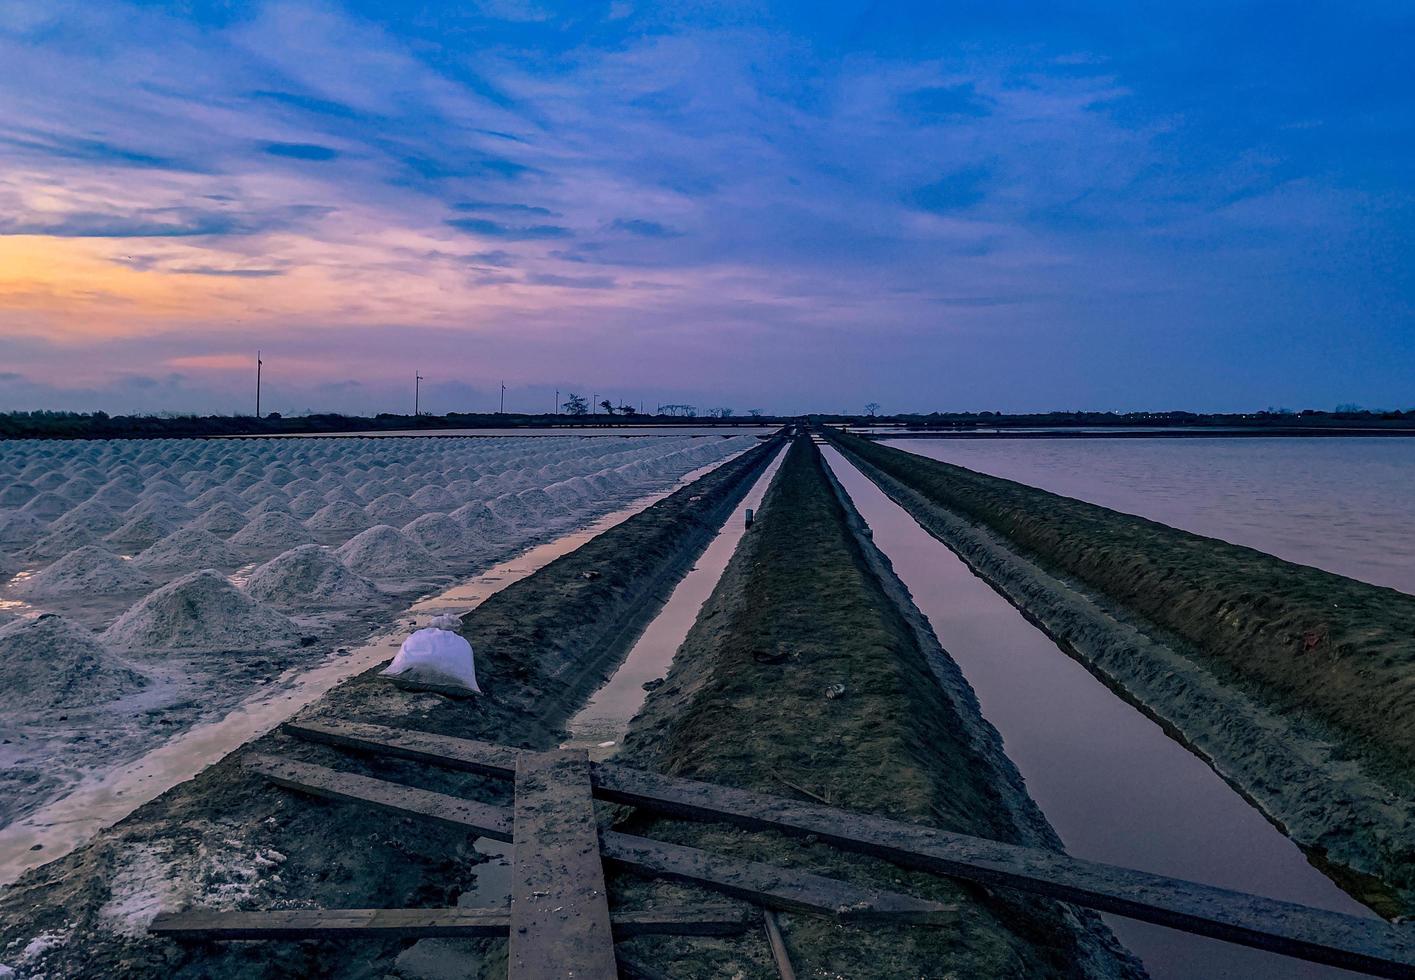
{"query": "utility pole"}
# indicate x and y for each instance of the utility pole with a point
(594, 404)
(417, 393)
(555, 406)
(503, 398)
(257, 384)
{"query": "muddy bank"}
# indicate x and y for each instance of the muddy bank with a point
(226, 839)
(1296, 684)
(805, 604)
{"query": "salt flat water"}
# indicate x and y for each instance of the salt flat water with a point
(1343, 504)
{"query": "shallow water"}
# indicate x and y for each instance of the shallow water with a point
(1113, 784)
(601, 723)
(101, 801)
(1342, 504)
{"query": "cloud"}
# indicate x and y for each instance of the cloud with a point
(944, 102)
(495, 229)
(570, 282)
(961, 189)
(644, 228)
(301, 151)
(81, 149)
(495, 207)
(172, 222)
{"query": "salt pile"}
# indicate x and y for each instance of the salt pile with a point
(392, 508)
(434, 498)
(59, 542)
(52, 663)
(478, 518)
(46, 506)
(17, 494)
(310, 572)
(220, 518)
(273, 530)
(341, 515)
(187, 547)
(200, 612)
(17, 529)
(92, 515)
(440, 535)
(383, 552)
(140, 532)
(86, 570)
(270, 505)
(161, 505)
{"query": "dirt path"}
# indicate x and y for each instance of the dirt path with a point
(225, 839)
(805, 604)
(1296, 684)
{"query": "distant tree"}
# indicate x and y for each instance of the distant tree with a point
(724, 412)
(872, 409)
(607, 405)
(576, 405)
(628, 410)
(1349, 408)
(755, 413)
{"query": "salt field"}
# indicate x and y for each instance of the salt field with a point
(151, 587)
(1341, 504)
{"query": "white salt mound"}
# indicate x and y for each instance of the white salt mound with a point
(439, 534)
(85, 570)
(140, 532)
(310, 572)
(436, 657)
(189, 548)
(382, 552)
(201, 612)
(50, 662)
(271, 530)
(338, 515)
(220, 518)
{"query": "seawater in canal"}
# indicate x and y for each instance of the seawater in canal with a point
(1113, 784)
(1340, 503)
(601, 723)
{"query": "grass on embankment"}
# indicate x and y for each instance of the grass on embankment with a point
(800, 609)
(1299, 638)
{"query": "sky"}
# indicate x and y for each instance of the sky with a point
(1003, 206)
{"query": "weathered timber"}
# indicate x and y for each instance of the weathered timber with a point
(486, 820)
(762, 884)
(1367, 945)
(559, 904)
(779, 954)
(453, 923)
(769, 884)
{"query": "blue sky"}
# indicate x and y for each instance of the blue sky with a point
(1005, 206)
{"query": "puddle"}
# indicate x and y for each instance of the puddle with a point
(601, 723)
(1113, 784)
(100, 802)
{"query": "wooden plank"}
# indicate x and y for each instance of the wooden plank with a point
(768, 884)
(453, 923)
(559, 905)
(482, 818)
(779, 954)
(1367, 945)
(762, 884)
(404, 743)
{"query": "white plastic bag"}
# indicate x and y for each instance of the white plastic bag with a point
(435, 657)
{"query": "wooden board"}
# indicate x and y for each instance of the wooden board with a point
(559, 904)
(430, 923)
(762, 884)
(1367, 945)
(769, 884)
(486, 820)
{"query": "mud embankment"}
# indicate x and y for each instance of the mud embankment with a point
(1298, 685)
(807, 606)
(227, 839)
